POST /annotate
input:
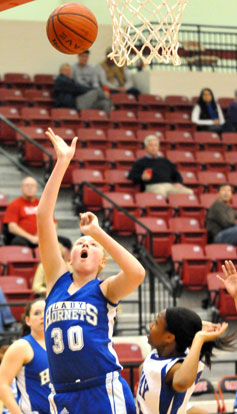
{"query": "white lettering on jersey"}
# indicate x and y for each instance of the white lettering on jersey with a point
(64, 311)
(44, 376)
(143, 385)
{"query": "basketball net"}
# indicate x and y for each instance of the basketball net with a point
(144, 30)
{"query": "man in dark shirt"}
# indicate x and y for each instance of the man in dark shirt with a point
(155, 173)
(220, 221)
(70, 94)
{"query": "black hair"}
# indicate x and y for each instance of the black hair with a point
(203, 105)
(25, 329)
(184, 324)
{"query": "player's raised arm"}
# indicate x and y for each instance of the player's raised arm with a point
(52, 260)
(132, 272)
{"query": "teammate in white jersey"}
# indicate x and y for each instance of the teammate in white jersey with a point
(80, 309)
(170, 371)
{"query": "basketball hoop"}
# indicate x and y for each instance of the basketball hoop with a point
(145, 30)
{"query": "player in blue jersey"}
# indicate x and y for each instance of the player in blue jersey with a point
(170, 371)
(26, 360)
(80, 309)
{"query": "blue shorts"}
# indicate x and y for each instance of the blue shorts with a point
(112, 397)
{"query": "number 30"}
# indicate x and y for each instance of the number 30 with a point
(74, 337)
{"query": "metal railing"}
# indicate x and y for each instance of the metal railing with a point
(17, 163)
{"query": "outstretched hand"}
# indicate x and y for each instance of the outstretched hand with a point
(230, 278)
(62, 149)
(89, 222)
(212, 333)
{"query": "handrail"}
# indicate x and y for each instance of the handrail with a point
(31, 140)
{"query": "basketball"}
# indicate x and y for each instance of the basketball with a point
(72, 28)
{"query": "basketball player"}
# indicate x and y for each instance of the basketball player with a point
(80, 309)
(26, 360)
(169, 373)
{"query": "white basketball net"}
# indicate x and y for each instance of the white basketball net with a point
(145, 30)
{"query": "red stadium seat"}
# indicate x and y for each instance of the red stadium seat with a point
(120, 158)
(188, 230)
(187, 205)
(184, 160)
(15, 289)
(87, 195)
(230, 158)
(152, 120)
(212, 161)
(224, 102)
(65, 117)
(179, 120)
(178, 103)
(91, 138)
(18, 261)
(7, 134)
(36, 117)
(95, 118)
(151, 103)
(209, 141)
(124, 119)
(190, 180)
(124, 101)
(180, 140)
(91, 158)
(154, 205)
(130, 356)
(229, 140)
(161, 238)
(207, 199)
(30, 154)
(211, 180)
(12, 97)
(44, 80)
(120, 223)
(218, 253)
(191, 265)
(118, 182)
(122, 138)
(41, 98)
(18, 80)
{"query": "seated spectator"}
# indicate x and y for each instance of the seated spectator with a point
(232, 113)
(207, 114)
(39, 281)
(84, 73)
(221, 218)
(116, 78)
(155, 173)
(20, 218)
(7, 320)
(70, 94)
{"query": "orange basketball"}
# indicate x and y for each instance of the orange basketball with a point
(72, 28)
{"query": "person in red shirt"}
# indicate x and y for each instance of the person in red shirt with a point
(20, 218)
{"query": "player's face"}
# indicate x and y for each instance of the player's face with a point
(158, 331)
(152, 147)
(87, 255)
(36, 317)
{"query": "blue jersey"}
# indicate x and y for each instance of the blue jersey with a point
(78, 332)
(33, 381)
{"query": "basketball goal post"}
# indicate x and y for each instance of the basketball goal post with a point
(145, 30)
(9, 4)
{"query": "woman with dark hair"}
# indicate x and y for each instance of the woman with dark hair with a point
(180, 341)
(26, 360)
(207, 114)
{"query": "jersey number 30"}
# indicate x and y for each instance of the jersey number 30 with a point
(74, 337)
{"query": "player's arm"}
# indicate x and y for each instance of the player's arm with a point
(51, 258)
(15, 357)
(132, 274)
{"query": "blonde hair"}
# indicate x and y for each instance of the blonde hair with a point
(151, 138)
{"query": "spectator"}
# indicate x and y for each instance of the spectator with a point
(70, 94)
(207, 114)
(84, 73)
(39, 281)
(155, 173)
(20, 218)
(232, 113)
(220, 220)
(115, 78)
